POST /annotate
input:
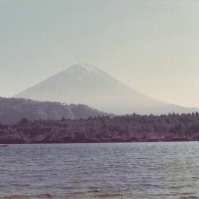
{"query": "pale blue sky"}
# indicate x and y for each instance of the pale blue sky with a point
(151, 46)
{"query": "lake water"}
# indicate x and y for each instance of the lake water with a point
(111, 170)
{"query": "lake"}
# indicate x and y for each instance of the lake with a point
(110, 170)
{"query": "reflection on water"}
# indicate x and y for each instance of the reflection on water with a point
(111, 170)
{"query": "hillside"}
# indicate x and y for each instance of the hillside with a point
(12, 110)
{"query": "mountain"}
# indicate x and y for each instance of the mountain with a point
(13, 110)
(86, 84)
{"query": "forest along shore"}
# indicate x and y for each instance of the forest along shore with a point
(129, 128)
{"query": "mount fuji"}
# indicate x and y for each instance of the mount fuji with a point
(87, 84)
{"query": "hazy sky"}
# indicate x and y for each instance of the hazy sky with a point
(151, 46)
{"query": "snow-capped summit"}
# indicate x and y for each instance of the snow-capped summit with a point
(85, 66)
(86, 84)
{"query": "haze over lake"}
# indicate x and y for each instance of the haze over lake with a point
(82, 71)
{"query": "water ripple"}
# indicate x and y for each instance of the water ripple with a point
(117, 170)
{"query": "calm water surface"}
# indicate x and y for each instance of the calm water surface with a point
(114, 170)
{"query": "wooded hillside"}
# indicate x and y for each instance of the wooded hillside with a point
(12, 110)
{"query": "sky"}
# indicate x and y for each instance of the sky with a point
(151, 46)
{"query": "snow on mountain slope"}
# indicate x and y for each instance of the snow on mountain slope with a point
(86, 84)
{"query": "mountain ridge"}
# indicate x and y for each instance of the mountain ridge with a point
(86, 84)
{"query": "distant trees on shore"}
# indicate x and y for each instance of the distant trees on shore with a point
(129, 128)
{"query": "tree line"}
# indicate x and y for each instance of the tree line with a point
(128, 128)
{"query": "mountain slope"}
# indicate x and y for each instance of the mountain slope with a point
(13, 110)
(86, 84)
